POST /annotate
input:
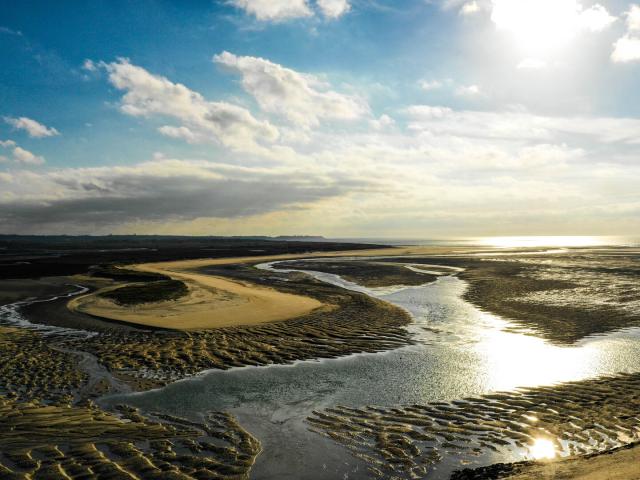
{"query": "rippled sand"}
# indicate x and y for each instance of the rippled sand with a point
(52, 442)
(410, 440)
(31, 368)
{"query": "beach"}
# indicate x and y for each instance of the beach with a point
(349, 306)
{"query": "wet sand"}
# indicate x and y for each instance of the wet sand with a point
(367, 273)
(622, 463)
(53, 442)
(579, 417)
(410, 440)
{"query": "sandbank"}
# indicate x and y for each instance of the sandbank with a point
(215, 302)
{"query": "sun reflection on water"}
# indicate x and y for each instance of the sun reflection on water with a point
(542, 449)
(513, 359)
(547, 241)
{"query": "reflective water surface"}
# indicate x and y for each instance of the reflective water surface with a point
(460, 352)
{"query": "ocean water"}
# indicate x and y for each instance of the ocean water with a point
(531, 241)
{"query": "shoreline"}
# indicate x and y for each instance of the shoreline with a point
(620, 463)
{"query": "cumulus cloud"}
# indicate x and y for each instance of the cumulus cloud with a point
(627, 48)
(283, 10)
(595, 18)
(301, 98)
(468, 91)
(333, 8)
(19, 154)
(382, 122)
(149, 95)
(160, 190)
(25, 157)
(33, 128)
(274, 10)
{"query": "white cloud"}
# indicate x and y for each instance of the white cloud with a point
(428, 111)
(382, 122)
(7, 143)
(301, 98)
(149, 95)
(520, 125)
(89, 65)
(595, 18)
(531, 64)
(23, 156)
(633, 18)
(469, 8)
(274, 10)
(468, 91)
(430, 84)
(333, 8)
(627, 48)
(32, 127)
(182, 133)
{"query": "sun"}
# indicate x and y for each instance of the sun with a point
(537, 25)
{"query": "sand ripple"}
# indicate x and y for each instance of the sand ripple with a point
(409, 441)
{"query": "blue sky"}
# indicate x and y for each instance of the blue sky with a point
(337, 117)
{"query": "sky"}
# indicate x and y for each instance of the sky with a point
(343, 118)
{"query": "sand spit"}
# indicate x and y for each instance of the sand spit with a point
(212, 302)
(409, 441)
(52, 443)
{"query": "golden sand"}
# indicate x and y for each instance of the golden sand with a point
(215, 302)
(211, 302)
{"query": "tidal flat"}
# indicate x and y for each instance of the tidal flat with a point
(418, 363)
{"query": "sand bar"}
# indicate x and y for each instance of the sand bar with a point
(215, 302)
(211, 302)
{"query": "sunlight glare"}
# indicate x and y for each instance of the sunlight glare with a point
(537, 25)
(545, 241)
(542, 449)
